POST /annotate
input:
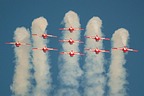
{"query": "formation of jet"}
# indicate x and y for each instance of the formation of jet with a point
(97, 38)
(71, 41)
(125, 49)
(96, 50)
(17, 44)
(44, 36)
(72, 53)
(45, 49)
(71, 29)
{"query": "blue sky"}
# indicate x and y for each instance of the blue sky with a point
(113, 13)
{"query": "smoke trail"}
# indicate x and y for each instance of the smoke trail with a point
(21, 84)
(94, 64)
(70, 71)
(40, 61)
(117, 72)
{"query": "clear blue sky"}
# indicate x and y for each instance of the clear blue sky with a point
(114, 14)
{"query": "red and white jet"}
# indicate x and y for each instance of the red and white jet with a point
(71, 29)
(45, 36)
(96, 50)
(72, 53)
(17, 44)
(71, 41)
(125, 49)
(97, 38)
(44, 49)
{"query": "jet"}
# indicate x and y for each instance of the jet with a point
(72, 53)
(17, 44)
(71, 41)
(71, 29)
(97, 38)
(125, 49)
(96, 50)
(44, 49)
(45, 36)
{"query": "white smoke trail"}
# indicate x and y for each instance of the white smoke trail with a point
(117, 72)
(94, 63)
(70, 71)
(21, 82)
(40, 59)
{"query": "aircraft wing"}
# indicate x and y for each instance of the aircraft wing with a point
(78, 29)
(92, 37)
(37, 48)
(105, 38)
(78, 41)
(104, 50)
(25, 44)
(78, 53)
(87, 48)
(90, 49)
(118, 48)
(63, 28)
(132, 50)
(63, 40)
(52, 49)
(64, 52)
(37, 35)
(10, 42)
(51, 36)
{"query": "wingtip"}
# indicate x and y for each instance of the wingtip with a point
(82, 54)
(86, 36)
(34, 48)
(54, 36)
(87, 48)
(60, 40)
(135, 50)
(34, 34)
(61, 52)
(28, 44)
(55, 49)
(7, 42)
(81, 42)
(61, 29)
(107, 50)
